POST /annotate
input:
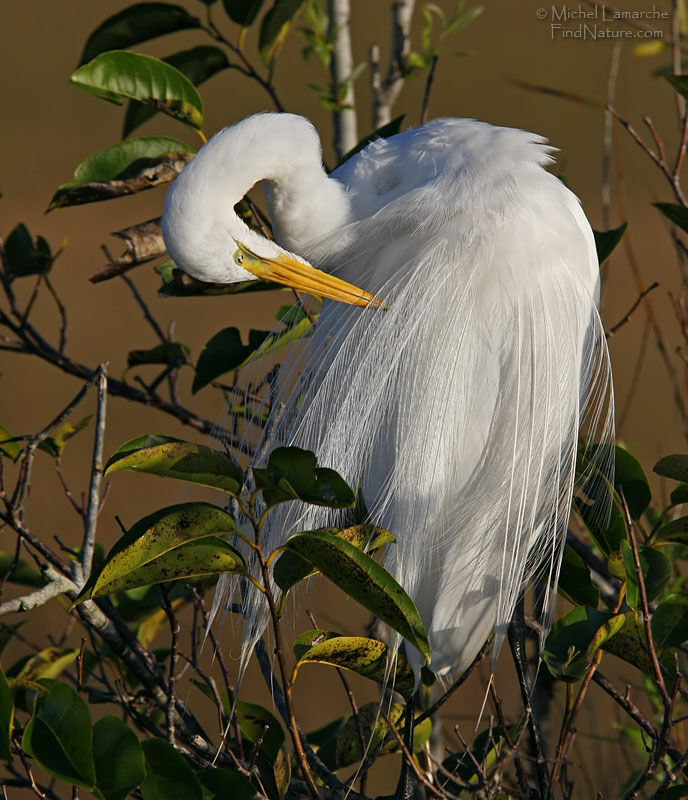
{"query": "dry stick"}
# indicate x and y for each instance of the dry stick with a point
(144, 308)
(671, 776)
(344, 115)
(62, 312)
(426, 94)
(171, 678)
(520, 772)
(627, 317)
(384, 93)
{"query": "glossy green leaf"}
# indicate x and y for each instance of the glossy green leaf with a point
(365, 581)
(656, 569)
(175, 542)
(670, 621)
(290, 568)
(383, 132)
(606, 241)
(274, 28)
(574, 580)
(22, 572)
(243, 12)
(375, 730)
(630, 644)
(674, 466)
(276, 340)
(48, 663)
(172, 354)
(135, 24)
(221, 783)
(575, 638)
(55, 444)
(120, 75)
(173, 458)
(366, 657)
(176, 283)
(58, 736)
(256, 723)
(604, 523)
(676, 213)
(168, 776)
(294, 474)
(6, 718)
(629, 475)
(25, 255)
(197, 64)
(121, 169)
(118, 757)
(225, 352)
(8, 447)
(676, 530)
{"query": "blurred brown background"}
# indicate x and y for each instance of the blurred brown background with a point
(48, 127)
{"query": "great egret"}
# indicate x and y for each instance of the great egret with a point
(460, 402)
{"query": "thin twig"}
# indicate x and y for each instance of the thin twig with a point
(426, 93)
(171, 678)
(627, 317)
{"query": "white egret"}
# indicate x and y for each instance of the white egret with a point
(459, 404)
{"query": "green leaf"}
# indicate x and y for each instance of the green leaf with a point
(222, 784)
(674, 792)
(670, 621)
(574, 580)
(23, 573)
(383, 132)
(55, 444)
(629, 475)
(656, 569)
(290, 568)
(674, 466)
(6, 718)
(176, 283)
(365, 581)
(9, 448)
(179, 541)
(7, 632)
(575, 638)
(243, 12)
(25, 256)
(274, 28)
(677, 214)
(630, 643)
(120, 75)
(276, 340)
(168, 776)
(121, 169)
(197, 64)
(58, 736)
(676, 530)
(606, 241)
(172, 354)
(173, 458)
(294, 474)
(605, 525)
(366, 657)
(256, 723)
(679, 494)
(118, 756)
(135, 24)
(48, 663)
(225, 352)
(375, 730)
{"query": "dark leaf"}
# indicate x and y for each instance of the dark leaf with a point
(676, 213)
(120, 75)
(604, 523)
(383, 132)
(574, 580)
(365, 581)
(173, 354)
(274, 28)
(26, 256)
(7, 632)
(58, 736)
(676, 530)
(629, 643)
(124, 168)
(679, 494)
(258, 723)
(6, 718)
(168, 776)
(118, 756)
(293, 474)
(135, 24)
(629, 475)
(224, 352)
(176, 283)
(243, 12)
(674, 466)
(173, 458)
(670, 621)
(23, 573)
(198, 64)
(222, 784)
(606, 241)
(656, 569)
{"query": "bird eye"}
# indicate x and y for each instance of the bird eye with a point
(239, 257)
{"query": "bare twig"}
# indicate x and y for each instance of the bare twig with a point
(627, 317)
(171, 679)
(57, 584)
(428, 89)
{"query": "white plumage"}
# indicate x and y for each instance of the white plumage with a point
(458, 406)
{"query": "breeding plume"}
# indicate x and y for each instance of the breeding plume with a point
(459, 381)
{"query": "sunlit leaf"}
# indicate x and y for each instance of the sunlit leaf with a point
(56, 443)
(366, 657)
(630, 644)
(120, 75)
(365, 581)
(48, 663)
(9, 448)
(257, 724)
(173, 458)
(135, 24)
(274, 28)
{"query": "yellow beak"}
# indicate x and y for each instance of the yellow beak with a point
(304, 278)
